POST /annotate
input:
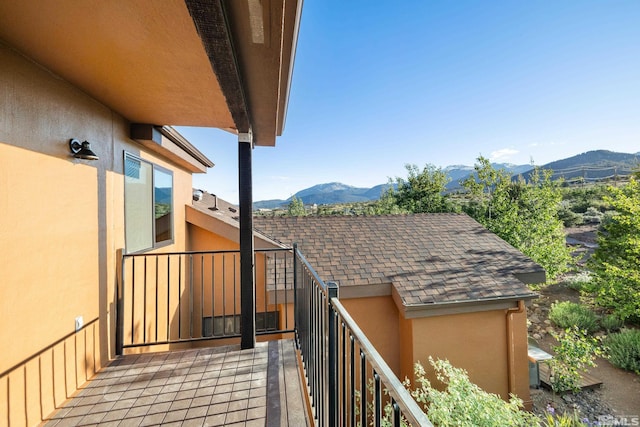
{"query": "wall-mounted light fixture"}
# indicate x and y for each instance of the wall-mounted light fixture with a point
(82, 150)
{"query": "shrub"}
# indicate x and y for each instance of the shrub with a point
(568, 217)
(564, 420)
(463, 403)
(624, 350)
(576, 351)
(611, 322)
(579, 282)
(592, 216)
(567, 314)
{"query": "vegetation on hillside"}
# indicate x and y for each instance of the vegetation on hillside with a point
(296, 207)
(525, 214)
(616, 262)
(530, 215)
(423, 191)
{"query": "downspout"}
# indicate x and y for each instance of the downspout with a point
(510, 353)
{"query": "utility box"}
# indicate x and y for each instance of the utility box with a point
(536, 356)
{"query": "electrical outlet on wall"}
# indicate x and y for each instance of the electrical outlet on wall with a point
(79, 323)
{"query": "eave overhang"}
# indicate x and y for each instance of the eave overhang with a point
(159, 61)
(169, 143)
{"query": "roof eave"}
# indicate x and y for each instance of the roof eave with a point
(415, 311)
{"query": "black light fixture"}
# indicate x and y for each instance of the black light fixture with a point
(82, 150)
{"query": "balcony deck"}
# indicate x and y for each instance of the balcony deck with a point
(199, 387)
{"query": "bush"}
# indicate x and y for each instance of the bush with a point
(568, 217)
(564, 420)
(567, 314)
(463, 403)
(624, 350)
(611, 322)
(575, 352)
(579, 282)
(593, 216)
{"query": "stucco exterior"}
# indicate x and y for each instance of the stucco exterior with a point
(438, 285)
(61, 229)
(490, 345)
(378, 319)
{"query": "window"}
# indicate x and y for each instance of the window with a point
(230, 325)
(148, 204)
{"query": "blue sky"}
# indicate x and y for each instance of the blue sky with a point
(378, 85)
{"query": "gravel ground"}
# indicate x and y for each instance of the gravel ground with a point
(617, 401)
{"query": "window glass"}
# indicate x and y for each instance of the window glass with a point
(138, 204)
(148, 204)
(163, 204)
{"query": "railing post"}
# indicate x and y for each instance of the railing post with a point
(296, 315)
(247, 287)
(332, 291)
(119, 306)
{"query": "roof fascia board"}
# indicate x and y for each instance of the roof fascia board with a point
(175, 137)
(293, 11)
(210, 20)
(228, 231)
(442, 309)
(531, 277)
(168, 145)
(364, 291)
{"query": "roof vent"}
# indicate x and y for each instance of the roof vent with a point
(215, 203)
(197, 195)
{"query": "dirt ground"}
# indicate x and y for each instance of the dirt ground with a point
(620, 390)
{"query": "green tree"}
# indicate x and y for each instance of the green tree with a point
(525, 214)
(616, 261)
(422, 192)
(575, 352)
(386, 205)
(296, 207)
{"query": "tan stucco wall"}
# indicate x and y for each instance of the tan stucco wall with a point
(61, 225)
(227, 298)
(378, 318)
(476, 342)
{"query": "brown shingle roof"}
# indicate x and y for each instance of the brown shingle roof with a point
(428, 258)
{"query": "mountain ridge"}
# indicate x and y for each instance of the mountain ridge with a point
(590, 165)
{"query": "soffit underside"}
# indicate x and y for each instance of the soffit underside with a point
(143, 59)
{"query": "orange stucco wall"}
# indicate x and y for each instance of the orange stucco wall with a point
(61, 226)
(225, 289)
(476, 342)
(378, 318)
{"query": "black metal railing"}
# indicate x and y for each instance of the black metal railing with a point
(179, 297)
(183, 297)
(348, 381)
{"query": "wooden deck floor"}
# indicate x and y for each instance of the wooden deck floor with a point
(587, 381)
(200, 387)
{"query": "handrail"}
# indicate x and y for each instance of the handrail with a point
(411, 410)
(224, 251)
(313, 272)
(325, 334)
(189, 296)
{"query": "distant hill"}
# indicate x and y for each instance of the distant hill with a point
(592, 165)
(163, 195)
(458, 173)
(326, 194)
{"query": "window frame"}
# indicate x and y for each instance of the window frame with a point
(154, 168)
